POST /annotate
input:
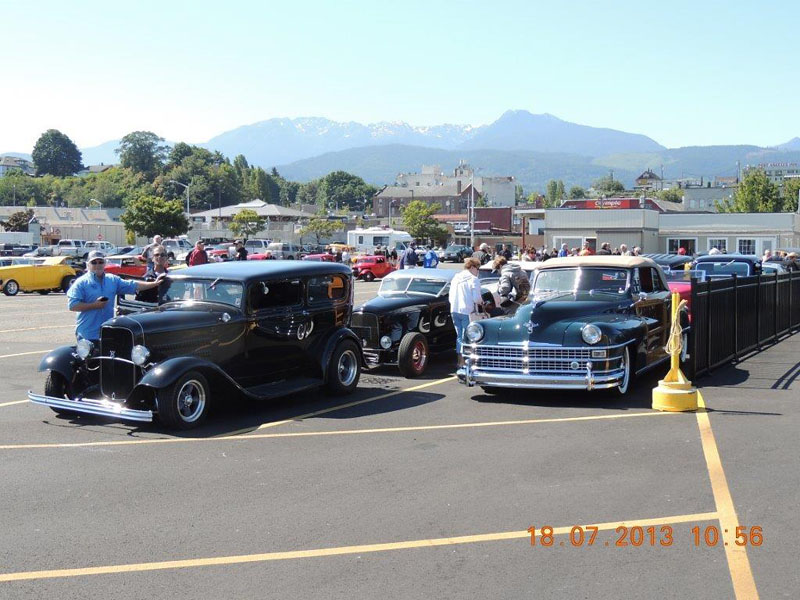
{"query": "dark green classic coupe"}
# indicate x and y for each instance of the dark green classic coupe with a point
(592, 323)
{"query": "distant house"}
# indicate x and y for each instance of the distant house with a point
(93, 169)
(451, 198)
(647, 181)
(9, 163)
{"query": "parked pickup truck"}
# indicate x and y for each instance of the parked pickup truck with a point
(70, 248)
(106, 248)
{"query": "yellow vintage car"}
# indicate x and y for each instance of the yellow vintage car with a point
(37, 275)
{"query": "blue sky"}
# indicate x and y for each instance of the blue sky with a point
(684, 73)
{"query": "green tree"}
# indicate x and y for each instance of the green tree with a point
(671, 195)
(246, 223)
(607, 185)
(791, 189)
(321, 227)
(519, 194)
(576, 192)
(143, 152)
(419, 222)
(561, 193)
(551, 195)
(148, 215)
(346, 190)
(18, 221)
(755, 194)
(179, 152)
(56, 154)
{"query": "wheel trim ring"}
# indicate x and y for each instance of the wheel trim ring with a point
(12, 287)
(347, 368)
(419, 357)
(191, 394)
(626, 363)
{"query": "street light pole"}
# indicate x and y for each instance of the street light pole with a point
(472, 210)
(186, 187)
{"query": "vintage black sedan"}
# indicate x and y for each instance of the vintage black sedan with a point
(408, 320)
(261, 329)
(591, 323)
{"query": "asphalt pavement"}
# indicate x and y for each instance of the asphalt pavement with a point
(406, 489)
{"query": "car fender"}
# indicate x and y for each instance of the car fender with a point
(168, 371)
(62, 360)
(330, 345)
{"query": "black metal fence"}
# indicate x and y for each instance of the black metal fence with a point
(737, 315)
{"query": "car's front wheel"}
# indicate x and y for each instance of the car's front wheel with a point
(57, 386)
(368, 276)
(344, 368)
(413, 354)
(185, 403)
(11, 288)
(627, 372)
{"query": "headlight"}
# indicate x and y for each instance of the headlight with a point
(386, 342)
(591, 334)
(84, 348)
(139, 355)
(474, 332)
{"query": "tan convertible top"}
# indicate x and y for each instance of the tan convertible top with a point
(624, 262)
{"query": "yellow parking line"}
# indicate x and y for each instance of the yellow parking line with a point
(298, 434)
(24, 353)
(338, 551)
(13, 403)
(744, 586)
(38, 328)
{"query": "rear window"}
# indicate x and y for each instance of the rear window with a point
(325, 289)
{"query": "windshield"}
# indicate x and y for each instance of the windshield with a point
(453, 248)
(681, 275)
(212, 290)
(553, 281)
(275, 246)
(724, 268)
(412, 285)
(488, 274)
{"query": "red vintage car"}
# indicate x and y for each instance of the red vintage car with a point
(371, 267)
(681, 281)
(324, 257)
(126, 264)
(260, 256)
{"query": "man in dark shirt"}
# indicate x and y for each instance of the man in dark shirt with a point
(241, 251)
(160, 265)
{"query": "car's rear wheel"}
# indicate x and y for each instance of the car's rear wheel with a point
(626, 377)
(413, 354)
(368, 276)
(185, 403)
(11, 288)
(57, 386)
(67, 282)
(344, 368)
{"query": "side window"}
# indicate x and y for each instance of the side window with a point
(658, 285)
(267, 295)
(327, 289)
(645, 280)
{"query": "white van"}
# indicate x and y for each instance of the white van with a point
(365, 240)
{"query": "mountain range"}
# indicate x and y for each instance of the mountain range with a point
(532, 147)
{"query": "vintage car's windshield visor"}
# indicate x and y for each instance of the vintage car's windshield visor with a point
(607, 280)
(210, 290)
(412, 285)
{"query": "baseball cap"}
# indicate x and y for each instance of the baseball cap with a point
(94, 255)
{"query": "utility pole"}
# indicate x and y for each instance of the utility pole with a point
(612, 175)
(472, 210)
(738, 172)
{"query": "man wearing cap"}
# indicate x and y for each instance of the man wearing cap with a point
(92, 295)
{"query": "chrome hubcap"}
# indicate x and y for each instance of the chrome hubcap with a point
(347, 368)
(191, 401)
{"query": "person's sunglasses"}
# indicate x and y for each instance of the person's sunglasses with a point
(159, 255)
(98, 261)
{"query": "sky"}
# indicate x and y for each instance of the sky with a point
(684, 73)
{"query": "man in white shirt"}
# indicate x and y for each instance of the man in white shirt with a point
(465, 300)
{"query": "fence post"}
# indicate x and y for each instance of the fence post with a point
(735, 318)
(775, 312)
(693, 334)
(758, 312)
(708, 325)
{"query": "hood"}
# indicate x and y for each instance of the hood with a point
(168, 318)
(386, 304)
(550, 321)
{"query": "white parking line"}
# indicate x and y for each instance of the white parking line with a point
(24, 353)
(38, 328)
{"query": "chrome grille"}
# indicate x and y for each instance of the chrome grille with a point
(538, 360)
(116, 377)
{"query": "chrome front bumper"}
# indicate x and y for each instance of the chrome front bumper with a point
(471, 376)
(89, 406)
(543, 367)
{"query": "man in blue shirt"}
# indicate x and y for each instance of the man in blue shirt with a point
(92, 295)
(431, 259)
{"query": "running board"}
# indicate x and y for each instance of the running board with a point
(284, 387)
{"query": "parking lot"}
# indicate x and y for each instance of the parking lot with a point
(407, 489)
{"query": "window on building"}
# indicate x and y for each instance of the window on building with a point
(720, 244)
(675, 244)
(747, 246)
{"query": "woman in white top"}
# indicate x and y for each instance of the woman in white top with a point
(465, 298)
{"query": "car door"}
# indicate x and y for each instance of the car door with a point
(327, 309)
(275, 316)
(652, 305)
